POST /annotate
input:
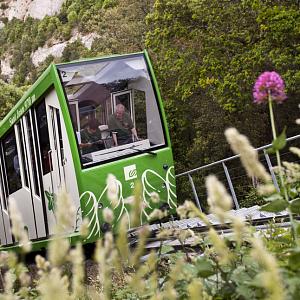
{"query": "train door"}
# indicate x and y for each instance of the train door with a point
(5, 231)
(3, 240)
(61, 168)
(32, 170)
(19, 180)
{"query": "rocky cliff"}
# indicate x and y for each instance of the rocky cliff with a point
(36, 9)
(21, 9)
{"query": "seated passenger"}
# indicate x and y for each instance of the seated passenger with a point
(121, 126)
(91, 138)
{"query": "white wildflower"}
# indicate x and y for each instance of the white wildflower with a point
(220, 247)
(65, 213)
(185, 234)
(295, 150)
(157, 214)
(266, 189)
(292, 171)
(122, 240)
(9, 280)
(58, 250)
(108, 215)
(154, 197)
(53, 286)
(271, 276)
(241, 145)
(108, 242)
(3, 258)
(18, 228)
(239, 228)
(188, 209)
(166, 233)
(112, 189)
(195, 289)
(169, 292)
(42, 263)
(84, 228)
(129, 200)
(139, 250)
(217, 194)
(77, 259)
(298, 121)
(24, 278)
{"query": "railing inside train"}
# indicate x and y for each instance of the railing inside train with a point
(226, 171)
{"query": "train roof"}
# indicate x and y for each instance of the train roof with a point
(48, 78)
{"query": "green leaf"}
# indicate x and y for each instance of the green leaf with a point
(205, 267)
(257, 281)
(273, 197)
(240, 275)
(166, 249)
(279, 143)
(296, 226)
(50, 198)
(293, 193)
(275, 206)
(295, 206)
(294, 259)
(190, 270)
(245, 291)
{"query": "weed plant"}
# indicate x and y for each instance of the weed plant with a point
(245, 264)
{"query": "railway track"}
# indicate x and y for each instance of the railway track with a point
(252, 215)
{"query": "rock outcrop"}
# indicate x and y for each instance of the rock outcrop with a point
(21, 9)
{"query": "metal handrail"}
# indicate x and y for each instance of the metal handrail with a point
(228, 178)
(231, 158)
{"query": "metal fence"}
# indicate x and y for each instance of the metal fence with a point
(230, 170)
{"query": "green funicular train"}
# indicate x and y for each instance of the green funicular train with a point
(78, 123)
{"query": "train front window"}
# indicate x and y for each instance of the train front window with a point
(113, 107)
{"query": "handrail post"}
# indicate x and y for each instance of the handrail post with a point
(194, 192)
(237, 206)
(270, 167)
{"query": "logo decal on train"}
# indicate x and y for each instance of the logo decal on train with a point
(130, 172)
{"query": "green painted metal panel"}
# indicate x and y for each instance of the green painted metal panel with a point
(32, 95)
(155, 173)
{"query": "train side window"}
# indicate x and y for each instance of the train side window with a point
(12, 162)
(32, 153)
(4, 191)
(43, 135)
(22, 157)
(118, 112)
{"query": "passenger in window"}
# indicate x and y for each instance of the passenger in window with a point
(91, 138)
(16, 164)
(121, 127)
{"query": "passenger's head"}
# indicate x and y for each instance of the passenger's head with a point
(119, 112)
(92, 125)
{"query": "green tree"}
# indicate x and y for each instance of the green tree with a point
(123, 27)
(9, 95)
(208, 54)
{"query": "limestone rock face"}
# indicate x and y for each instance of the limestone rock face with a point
(21, 9)
(6, 70)
(56, 49)
(38, 9)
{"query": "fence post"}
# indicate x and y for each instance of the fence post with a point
(267, 157)
(237, 206)
(194, 192)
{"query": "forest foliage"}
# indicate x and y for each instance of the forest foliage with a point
(206, 55)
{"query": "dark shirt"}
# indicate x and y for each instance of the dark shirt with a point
(121, 127)
(94, 138)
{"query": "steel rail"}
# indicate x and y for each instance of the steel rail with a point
(230, 158)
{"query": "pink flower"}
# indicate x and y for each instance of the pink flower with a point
(269, 82)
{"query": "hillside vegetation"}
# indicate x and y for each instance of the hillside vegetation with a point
(206, 55)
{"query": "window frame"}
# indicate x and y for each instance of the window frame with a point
(157, 101)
